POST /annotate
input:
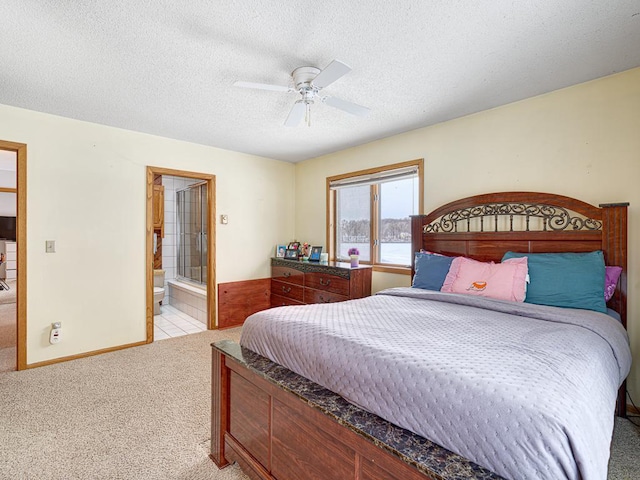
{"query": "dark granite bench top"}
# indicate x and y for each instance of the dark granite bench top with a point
(426, 456)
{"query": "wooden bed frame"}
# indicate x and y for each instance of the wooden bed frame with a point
(275, 432)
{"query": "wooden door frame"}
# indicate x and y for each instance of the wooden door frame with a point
(211, 247)
(21, 240)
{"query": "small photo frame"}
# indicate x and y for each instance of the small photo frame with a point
(294, 246)
(291, 254)
(314, 254)
(280, 250)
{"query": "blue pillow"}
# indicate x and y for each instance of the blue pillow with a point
(431, 270)
(573, 280)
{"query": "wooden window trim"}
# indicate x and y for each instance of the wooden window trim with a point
(331, 212)
(392, 269)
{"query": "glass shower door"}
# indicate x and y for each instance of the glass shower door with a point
(191, 206)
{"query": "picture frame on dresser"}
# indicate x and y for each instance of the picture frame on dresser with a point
(314, 255)
(291, 254)
(280, 251)
(294, 246)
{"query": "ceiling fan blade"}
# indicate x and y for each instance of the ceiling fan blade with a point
(352, 108)
(296, 114)
(263, 86)
(330, 74)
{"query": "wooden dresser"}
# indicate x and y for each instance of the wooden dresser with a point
(296, 283)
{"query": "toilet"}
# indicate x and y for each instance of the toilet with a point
(158, 290)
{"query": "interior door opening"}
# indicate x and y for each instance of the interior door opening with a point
(13, 160)
(180, 261)
(8, 260)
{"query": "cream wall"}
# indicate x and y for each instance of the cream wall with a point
(86, 189)
(582, 141)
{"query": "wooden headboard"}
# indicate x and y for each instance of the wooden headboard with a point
(484, 227)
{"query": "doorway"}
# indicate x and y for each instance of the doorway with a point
(180, 252)
(13, 158)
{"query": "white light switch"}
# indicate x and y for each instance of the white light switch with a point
(50, 246)
(224, 219)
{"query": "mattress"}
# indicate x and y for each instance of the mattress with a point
(526, 391)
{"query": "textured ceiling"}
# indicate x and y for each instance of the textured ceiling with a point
(168, 68)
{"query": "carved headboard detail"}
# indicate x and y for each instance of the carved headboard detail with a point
(517, 216)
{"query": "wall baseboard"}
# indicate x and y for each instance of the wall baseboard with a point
(83, 355)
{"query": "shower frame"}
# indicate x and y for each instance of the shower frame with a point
(191, 234)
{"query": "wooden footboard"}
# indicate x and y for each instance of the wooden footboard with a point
(273, 432)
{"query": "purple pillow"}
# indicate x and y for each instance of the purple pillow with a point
(611, 276)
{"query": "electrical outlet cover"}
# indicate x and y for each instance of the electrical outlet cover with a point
(54, 337)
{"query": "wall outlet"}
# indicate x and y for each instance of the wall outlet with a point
(56, 333)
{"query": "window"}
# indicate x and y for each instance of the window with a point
(370, 210)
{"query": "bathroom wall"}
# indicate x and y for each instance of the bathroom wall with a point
(187, 299)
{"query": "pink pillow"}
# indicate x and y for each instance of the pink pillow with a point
(611, 276)
(503, 281)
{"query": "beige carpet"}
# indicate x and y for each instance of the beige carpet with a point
(8, 331)
(8, 328)
(142, 413)
(139, 413)
(8, 296)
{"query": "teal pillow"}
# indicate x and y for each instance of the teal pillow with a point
(573, 280)
(431, 270)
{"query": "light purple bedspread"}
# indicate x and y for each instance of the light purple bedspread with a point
(525, 390)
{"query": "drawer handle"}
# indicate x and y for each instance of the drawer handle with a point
(326, 284)
(323, 300)
(286, 289)
(286, 274)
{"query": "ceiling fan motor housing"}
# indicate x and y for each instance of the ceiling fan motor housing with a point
(303, 76)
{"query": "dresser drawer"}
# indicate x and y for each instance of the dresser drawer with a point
(286, 274)
(330, 283)
(289, 290)
(278, 301)
(322, 296)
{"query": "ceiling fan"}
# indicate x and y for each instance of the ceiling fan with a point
(308, 82)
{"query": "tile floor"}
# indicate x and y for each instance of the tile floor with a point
(174, 323)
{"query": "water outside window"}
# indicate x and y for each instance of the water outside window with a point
(398, 200)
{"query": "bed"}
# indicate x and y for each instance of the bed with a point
(414, 383)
